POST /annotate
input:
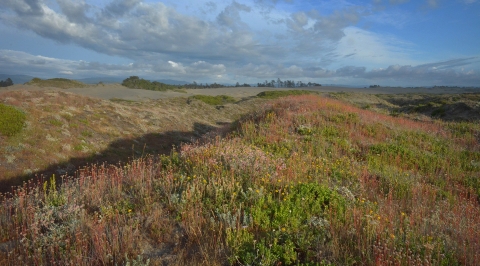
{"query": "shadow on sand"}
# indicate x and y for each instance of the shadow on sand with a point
(119, 151)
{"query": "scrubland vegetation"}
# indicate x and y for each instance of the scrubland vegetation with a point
(214, 100)
(134, 82)
(57, 83)
(303, 180)
(11, 120)
(62, 131)
(278, 94)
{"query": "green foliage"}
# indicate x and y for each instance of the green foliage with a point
(139, 261)
(87, 134)
(344, 118)
(118, 100)
(366, 189)
(286, 228)
(134, 82)
(55, 122)
(79, 147)
(304, 130)
(57, 83)
(53, 197)
(278, 94)
(214, 100)
(11, 120)
(6, 83)
(439, 112)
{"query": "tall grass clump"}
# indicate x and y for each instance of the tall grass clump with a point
(303, 180)
(11, 120)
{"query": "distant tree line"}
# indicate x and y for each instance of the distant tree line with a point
(286, 84)
(196, 85)
(6, 83)
(244, 85)
(374, 86)
(134, 82)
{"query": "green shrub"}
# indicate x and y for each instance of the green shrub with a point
(278, 94)
(11, 120)
(288, 229)
(214, 100)
(135, 82)
(439, 112)
(55, 122)
(57, 82)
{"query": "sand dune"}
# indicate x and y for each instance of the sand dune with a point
(109, 91)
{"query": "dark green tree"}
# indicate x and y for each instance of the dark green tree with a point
(6, 83)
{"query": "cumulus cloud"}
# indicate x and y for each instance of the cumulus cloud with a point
(26, 63)
(75, 11)
(230, 16)
(445, 72)
(252, 39)
(128, 28)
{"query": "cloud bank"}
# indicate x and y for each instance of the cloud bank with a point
(226, 41)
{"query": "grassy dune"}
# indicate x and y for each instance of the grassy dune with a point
(61, 131)
(303, 180)
(57, 83)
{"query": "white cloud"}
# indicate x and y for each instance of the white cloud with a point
(361, 47)
(177, 67)
(204, 39)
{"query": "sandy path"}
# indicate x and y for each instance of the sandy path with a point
(109, 91)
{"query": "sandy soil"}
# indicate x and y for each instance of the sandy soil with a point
(109, 91)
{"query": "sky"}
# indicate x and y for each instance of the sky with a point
(384, 42)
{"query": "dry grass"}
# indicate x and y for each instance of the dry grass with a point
(420, 106)
(65, 131)
(302, 180)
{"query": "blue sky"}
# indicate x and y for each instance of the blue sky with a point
(386, 42)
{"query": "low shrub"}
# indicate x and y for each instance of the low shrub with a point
(11, 120)
(135, 82)
(57, 83)
(278, 94)
(214, 100)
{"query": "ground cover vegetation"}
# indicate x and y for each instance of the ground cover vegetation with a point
(303, 180)
(214, 100)
(134, 82)
(278, 94)
(427, 107)
(11, 120)
(55, 132)
(57, 83)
